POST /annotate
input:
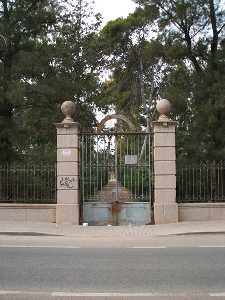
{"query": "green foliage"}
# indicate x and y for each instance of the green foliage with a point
(51, 51)
(124, 42)
(178, 52)
(51, 55)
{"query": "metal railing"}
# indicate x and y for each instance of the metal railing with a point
(115, 167)
(25, 183)
(203, 182)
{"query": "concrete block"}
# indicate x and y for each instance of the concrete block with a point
(164, 139)
(190, 212)
(52, 215)
(68, 130)
(67, 214)
(37, 215)
(67, 141)
(12, 214)
(27, 212)
(71, 155)
(68, 196)
(194, 213)
(165, 196)
(165, 213)
(164, 153)
(165, 182)
(165, 167)
(159, 128)
(217, 212)
(67, 169)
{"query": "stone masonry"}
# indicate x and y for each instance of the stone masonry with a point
(67, 208)
(165, 206)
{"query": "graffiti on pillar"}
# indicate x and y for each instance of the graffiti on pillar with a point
(67, 182)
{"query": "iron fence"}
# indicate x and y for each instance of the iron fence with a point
(115, 166)
(203, 182)
(24, 183)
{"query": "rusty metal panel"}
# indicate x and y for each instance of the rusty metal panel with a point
(97, 213)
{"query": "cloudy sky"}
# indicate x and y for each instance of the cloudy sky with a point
(112, 9)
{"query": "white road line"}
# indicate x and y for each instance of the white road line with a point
(9, 292)
(149, 247)
(71, 294)
(104, 294)
(217, 294)
(6, 292)
(78, 247)
(211, 246)
(40, 246)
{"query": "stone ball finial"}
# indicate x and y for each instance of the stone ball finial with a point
(68, 109)
(164, 108)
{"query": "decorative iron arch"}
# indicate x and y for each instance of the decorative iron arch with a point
(101, 125)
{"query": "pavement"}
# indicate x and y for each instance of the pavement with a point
(66, 230)
(167, 261)
(113, 272)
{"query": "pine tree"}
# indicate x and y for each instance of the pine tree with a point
(22, 24)
(55, 58)
(186, 46)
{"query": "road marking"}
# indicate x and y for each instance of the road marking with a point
(5, 292)
(217, 294)
(212, 246)
(35, 293)
(40, 246)
(71, 294)
(105, 294)
(149, 247)
(131, 247)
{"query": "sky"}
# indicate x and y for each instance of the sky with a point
(112, 9)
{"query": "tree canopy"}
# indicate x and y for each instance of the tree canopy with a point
(49, 54)
(173, 49)
(52, 50)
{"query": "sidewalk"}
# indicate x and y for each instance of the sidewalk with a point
(115, 231)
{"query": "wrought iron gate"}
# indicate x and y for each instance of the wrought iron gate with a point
(115, 168)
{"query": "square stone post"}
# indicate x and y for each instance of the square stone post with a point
(67, 208)
(165, 206)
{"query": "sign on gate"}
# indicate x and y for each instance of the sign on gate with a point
(131, 159)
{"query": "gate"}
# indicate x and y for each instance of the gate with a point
(116, 182)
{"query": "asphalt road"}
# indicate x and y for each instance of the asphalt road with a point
(156, 271)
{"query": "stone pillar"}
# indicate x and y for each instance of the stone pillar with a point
(67, 208)
(165, 206)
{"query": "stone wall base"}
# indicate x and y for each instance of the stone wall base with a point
(191, 212)
(22, 212)
(188, 212)
(67, 214)
(166, 213)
